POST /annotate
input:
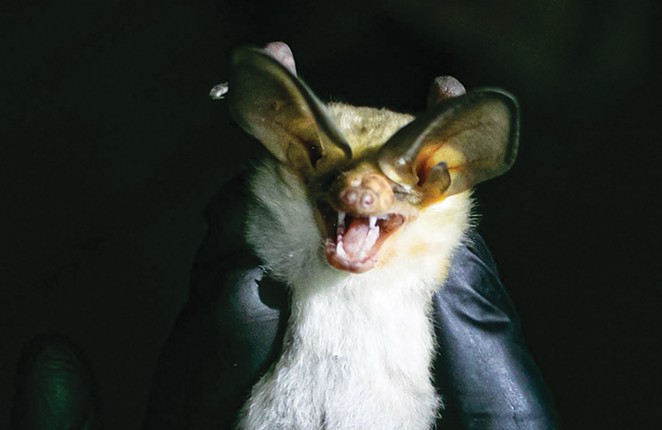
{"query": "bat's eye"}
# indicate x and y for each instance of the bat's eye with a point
(406, 194)
(325, 182)
(400, 192)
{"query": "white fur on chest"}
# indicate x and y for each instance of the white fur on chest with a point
(358, 348)
(352, 359)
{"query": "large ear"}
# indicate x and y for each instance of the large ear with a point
(272, 104)
(455, 145)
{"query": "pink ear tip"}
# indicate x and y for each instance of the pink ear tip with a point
(282, 52)
(443, 88)
(278, 46)
(449, 85)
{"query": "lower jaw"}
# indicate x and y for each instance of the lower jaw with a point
(349, 265)
(386, 229)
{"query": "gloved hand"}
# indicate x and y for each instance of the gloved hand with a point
(484, 370)
(231, 329)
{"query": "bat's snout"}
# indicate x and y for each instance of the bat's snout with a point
(360, 218)
(365, 195)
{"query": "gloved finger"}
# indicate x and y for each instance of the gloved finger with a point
(54, 387)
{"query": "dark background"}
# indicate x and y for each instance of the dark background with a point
(110, 150)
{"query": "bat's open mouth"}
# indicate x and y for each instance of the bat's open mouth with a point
(353, 242)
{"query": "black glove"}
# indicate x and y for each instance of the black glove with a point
(484, 371)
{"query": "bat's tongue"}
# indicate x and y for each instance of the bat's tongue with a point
(359, 238)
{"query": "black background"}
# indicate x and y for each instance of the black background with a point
(110, 149)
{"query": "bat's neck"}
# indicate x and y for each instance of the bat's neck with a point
(384, 323)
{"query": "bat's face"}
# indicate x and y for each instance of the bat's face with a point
(368, 172)
(360, 210)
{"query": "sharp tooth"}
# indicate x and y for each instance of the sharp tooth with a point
(341, 218)
(340, 230)
(373, 222)
(370, 241)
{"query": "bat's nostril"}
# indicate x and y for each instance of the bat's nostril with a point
(367, 199)
(350, 197)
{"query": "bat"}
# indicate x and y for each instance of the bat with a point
(358, 210)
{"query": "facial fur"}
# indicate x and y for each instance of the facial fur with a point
(285, 227)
